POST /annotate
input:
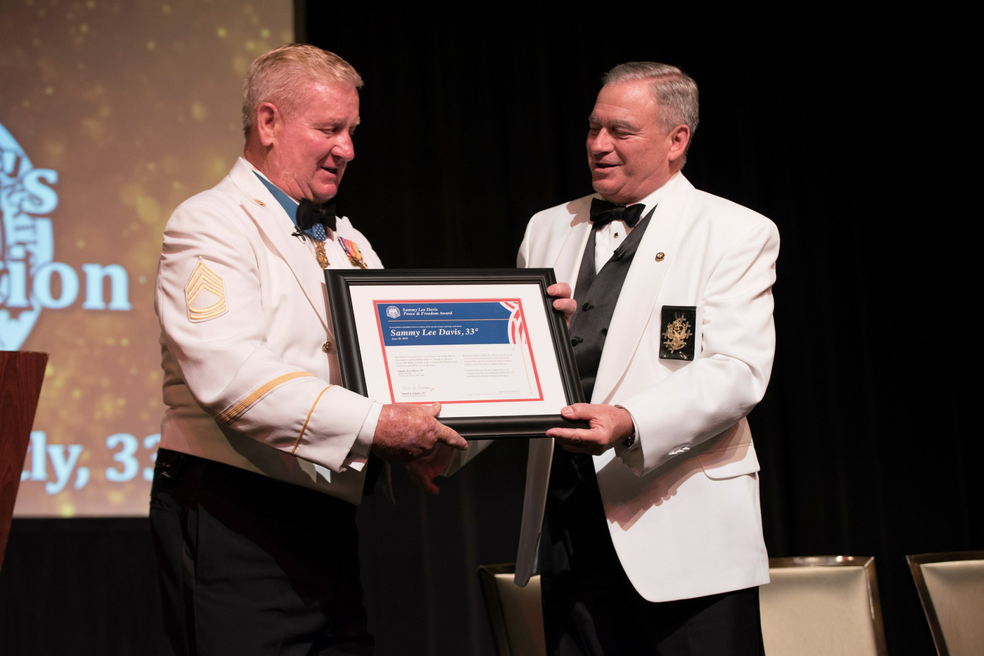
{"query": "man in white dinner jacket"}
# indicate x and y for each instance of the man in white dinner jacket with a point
(263, 455)
(653, 545)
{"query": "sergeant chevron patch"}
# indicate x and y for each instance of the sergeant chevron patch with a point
(205, 294)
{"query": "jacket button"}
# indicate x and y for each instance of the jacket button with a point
(326, 347)
(660, 256)
(575, 341)
(585, 307)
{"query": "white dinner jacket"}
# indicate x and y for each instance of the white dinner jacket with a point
(244, 333)
(683, 503)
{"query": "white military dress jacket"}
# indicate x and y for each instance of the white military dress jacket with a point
(683, 503)
(251, 377)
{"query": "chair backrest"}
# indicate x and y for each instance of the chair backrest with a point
(515, 613)
(951, 589)
(822, 605)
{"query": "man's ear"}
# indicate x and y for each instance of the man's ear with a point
(267, 118)
(679, 138)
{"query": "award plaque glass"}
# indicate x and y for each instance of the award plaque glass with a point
(485, 343)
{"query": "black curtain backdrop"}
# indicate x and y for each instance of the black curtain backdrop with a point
(831, 123)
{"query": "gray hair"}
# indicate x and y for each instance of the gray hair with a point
(675, 92)
(279, 77)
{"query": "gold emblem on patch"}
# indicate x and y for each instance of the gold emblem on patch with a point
(677, 333)
(205, 294)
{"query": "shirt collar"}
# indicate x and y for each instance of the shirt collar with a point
(289, 204)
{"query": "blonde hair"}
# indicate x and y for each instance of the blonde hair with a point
(279, 77)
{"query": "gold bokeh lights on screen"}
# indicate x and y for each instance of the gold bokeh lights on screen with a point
(111, 114)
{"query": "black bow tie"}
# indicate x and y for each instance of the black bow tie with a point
(309, 214)
(603, 213)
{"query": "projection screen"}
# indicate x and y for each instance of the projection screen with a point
(111, 113)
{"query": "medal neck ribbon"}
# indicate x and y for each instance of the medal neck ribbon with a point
(293, 210)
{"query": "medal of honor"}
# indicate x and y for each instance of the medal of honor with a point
(319, 252)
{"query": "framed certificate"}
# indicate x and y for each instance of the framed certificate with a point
(486, 343)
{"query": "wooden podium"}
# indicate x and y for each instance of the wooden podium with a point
(21, 375)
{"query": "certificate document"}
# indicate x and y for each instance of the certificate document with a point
(457, 351)
(484, 343)
(481, 350)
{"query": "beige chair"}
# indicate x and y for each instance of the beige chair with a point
(514, 612)
(820, 606)
(951, 589)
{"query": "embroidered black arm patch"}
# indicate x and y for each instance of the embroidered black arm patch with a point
(678, 325)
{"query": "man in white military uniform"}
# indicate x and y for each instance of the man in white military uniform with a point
(263, 455)
(653, 545)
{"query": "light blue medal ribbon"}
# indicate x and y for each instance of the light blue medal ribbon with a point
(317, 231)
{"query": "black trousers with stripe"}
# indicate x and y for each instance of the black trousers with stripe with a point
(251, 565)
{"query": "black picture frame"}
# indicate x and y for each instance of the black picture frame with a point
(349, 352)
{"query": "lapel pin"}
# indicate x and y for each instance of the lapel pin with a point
(259, 202)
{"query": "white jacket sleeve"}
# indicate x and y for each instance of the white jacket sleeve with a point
(731, 372)
(217, 328)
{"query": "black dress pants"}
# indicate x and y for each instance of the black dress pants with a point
(591, 609)
(251, 565)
